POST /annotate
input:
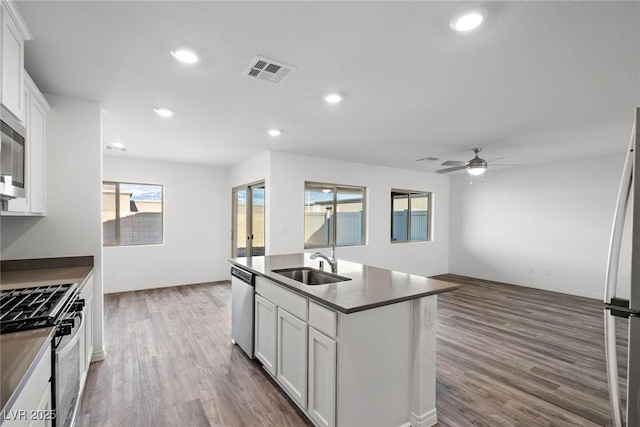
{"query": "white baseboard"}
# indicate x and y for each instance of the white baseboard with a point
(98, 355)
(425, 420)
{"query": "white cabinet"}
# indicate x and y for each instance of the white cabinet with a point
(265, 333)
(35, 166)
(14, 33)
(86, 334)
(88, 313)
(32, 407)
(292, 356)
(322, 378)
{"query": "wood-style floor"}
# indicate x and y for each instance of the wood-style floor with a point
(514, 356)
(506, 356)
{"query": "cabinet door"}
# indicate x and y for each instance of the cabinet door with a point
(12, 66)
(35, 155)
(265, 333)
(83, 337)
(322, 378)
(88, 342)
(43, 415)
(33, 405)
(292, 356)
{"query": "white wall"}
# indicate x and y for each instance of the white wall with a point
(544, 226)
(197, 224)
(287, 174)
(73, 179)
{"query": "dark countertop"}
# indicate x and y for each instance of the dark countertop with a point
(21, 351)
(369, 287)
(44, 277)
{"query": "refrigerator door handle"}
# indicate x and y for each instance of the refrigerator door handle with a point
(612, 282)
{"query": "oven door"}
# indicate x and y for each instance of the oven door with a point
(67, 374)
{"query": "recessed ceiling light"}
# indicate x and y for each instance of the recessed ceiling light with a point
(117, 144)
(185, 55)
(274, 132)
(469, 19)
(326, 190)
(333, 98)
(163, 112)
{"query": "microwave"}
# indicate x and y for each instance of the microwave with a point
(12, 156)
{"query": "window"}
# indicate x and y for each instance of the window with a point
(131, 214)
(333, 213)
(248, 220)
(410, 216)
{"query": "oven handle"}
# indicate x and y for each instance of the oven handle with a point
(67, 348)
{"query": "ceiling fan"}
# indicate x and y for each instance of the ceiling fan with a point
(475, 166)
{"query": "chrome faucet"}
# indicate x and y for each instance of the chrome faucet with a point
(333, 262)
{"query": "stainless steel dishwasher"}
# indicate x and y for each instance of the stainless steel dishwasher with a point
(242, 294)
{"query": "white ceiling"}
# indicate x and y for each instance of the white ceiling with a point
(539, 81)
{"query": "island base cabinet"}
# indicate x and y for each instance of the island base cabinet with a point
(265, 333)
(322, 379)
(374, 367)
(292, 356)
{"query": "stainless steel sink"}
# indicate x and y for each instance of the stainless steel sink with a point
(310, 276)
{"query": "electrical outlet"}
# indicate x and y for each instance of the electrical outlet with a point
(532, 270)
(113, 272)
(429, 317)
(548, 272)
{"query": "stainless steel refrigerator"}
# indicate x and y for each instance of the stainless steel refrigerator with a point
(615, 307)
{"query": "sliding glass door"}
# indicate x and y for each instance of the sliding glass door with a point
(247, 234)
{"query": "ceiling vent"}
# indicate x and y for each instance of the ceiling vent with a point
(427, 159)
(109, 147)
(268, 70)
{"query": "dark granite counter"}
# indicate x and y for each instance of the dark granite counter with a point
(369, 287)
(20, 352)
(44, 277)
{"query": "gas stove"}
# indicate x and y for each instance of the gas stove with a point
(38, 307)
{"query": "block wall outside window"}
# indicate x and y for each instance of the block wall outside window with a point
(132, 214)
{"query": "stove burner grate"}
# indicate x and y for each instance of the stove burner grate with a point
(30, 308)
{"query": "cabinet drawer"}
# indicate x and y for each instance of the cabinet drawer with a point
(322, 319)
(281, 297)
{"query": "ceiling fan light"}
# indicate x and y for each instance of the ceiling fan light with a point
(469, 19)
(476, 170)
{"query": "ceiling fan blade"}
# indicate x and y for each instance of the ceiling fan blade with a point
(454, 163)
(499, 158)
(456, 168)
(506, 164)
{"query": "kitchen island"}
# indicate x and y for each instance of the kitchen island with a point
(356, 352)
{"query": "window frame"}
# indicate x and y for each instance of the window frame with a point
(249, 216)
(429, 222)
(118, 242)
(334, 233)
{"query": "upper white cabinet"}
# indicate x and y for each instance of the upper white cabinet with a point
(14, 33)
(34, 202)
